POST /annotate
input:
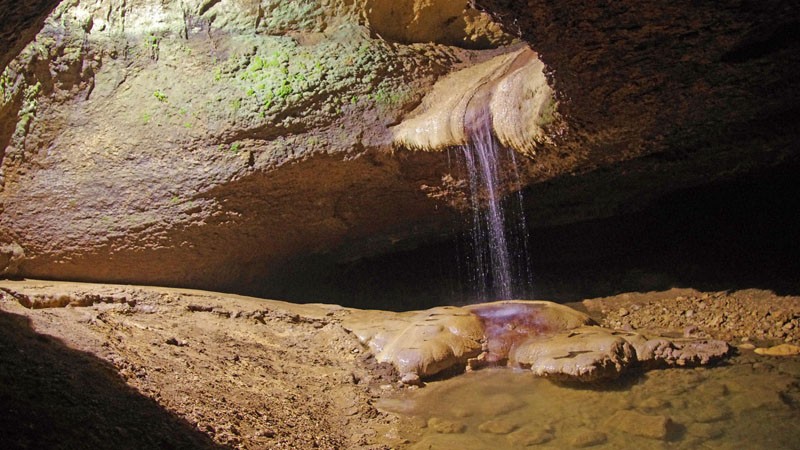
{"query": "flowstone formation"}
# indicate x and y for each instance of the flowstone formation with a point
(549, 339)
(512, 89)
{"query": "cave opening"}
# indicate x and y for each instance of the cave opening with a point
(729, 235)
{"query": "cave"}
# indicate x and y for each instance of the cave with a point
(728, 235)
(383, 224)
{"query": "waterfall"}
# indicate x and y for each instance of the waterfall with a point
(497, 259)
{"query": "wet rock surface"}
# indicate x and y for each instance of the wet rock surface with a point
(585, 354)
(420, 342)
(549, 339)
(730, 406)
(223, 371)
(632, 422)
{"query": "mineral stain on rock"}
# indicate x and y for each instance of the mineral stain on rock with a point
(549, 339)
(507, 324)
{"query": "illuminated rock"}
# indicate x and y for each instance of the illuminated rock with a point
(551, 340)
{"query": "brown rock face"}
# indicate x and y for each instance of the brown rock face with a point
(219, 144)
(209, 147)
(442, 21)
(683, 80)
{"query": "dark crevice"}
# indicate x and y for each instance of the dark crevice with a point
(728, 235)
(205, 6)
(763, 43)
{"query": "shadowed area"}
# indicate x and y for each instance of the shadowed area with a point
(736, 234)
(21, 21)
(54, 397)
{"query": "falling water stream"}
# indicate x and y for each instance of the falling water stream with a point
(498, 255)
(492, 260)
(750, 402)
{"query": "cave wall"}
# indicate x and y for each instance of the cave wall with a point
(224, 144)
(208, 143)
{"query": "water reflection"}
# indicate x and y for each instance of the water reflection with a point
(752, 403)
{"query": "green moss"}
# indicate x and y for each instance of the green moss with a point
(27, 113)
(160, 96)
(284, 89)
(32, 91)
(234, 147)
(274, 75)
(388, 96)
(6, 87)
(151, 41)
(548, 113)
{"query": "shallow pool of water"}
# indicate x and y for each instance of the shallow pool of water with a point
(752, 402)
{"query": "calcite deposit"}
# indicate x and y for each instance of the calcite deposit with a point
(551, 340)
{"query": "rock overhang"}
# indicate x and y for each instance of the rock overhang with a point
(645, 112)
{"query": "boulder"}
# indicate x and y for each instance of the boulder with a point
(420, 342)
(585, 354)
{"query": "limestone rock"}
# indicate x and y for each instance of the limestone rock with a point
(498, 426)
(10, 256)
(779, 350)
(21, 22)
(445, 426)
(439, 121)
(270, 93)
(638, 424)
(500, 404)
(510, 88)
(420, 342)
(442, 21)
(678, 352)
(588, 438)
(527, 437)
(507, 323)
(592, 353)
(586, 354)
(551, 340)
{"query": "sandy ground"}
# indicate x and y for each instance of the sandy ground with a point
(105, 366)
(144, 367)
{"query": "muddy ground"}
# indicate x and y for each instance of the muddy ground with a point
(128, 367)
